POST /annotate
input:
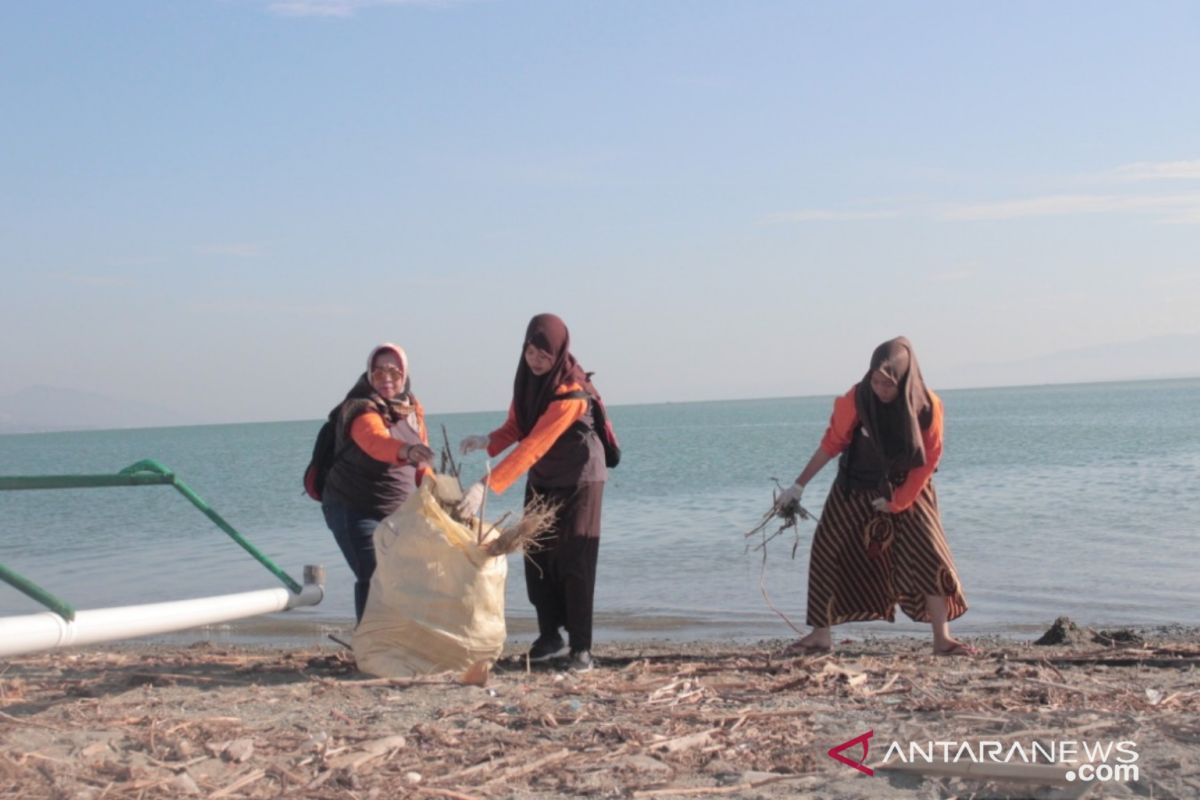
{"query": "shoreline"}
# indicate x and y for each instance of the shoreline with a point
(290, 629)
(658, 718)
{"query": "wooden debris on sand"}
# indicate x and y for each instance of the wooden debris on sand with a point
(691, 720)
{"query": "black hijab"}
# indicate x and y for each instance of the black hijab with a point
(895, 428)
(533, 393)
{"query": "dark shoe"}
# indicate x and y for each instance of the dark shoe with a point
(546, 648)
(580, 661)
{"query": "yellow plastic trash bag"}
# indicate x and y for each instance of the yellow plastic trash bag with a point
(437, 599)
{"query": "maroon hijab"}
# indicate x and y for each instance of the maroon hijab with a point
(895, 427)
(533, 393)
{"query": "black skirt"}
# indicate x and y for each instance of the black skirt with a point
(560, 572)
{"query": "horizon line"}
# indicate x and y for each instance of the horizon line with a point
(1158, 379)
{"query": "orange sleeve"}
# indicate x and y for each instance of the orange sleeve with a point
(906, 493)
(506, 434)
(841, 424)
(554, 422)
(372, 436)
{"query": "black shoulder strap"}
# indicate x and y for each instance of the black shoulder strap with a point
(334, 418)
(581, 394)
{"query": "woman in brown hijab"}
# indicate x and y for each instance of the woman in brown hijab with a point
(880, 541)
(550, 420)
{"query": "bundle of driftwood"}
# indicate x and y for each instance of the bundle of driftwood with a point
(787, 515)
(525, 534)
(501, 537)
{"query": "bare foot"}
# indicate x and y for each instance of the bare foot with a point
(815, 642)
(954, 648)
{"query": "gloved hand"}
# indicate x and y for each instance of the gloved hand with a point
(881, 504)
(470, 444)
(417, 454)
(788, 497)
(472, 501)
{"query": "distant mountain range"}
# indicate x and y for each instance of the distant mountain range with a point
(1145, 359)
(51, 408)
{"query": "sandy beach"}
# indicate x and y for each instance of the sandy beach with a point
(654, 720)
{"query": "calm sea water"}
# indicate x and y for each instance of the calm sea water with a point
(1078, 500)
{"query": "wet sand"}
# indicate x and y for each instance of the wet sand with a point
(656, 719)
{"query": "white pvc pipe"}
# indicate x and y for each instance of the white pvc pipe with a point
(47, 630)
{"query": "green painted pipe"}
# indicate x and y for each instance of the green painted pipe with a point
(143, 473)
(63, 609)
(152, 467)
(15, 482)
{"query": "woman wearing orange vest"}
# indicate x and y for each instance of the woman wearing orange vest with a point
(880, 540)
(381, 444)
(558, 446)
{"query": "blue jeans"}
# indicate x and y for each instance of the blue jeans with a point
(355, 535)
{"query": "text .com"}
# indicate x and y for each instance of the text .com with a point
(1105, 773)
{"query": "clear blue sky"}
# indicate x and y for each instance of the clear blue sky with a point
(220, 206)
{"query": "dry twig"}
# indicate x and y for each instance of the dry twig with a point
(790, 514)
(537, 518)
(448, 460)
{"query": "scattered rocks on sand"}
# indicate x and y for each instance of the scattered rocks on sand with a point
(1122, 637)
(1064, 631)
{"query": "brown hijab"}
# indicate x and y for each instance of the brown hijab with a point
(895, 427)
(533, 393)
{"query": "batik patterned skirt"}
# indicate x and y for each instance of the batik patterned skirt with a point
(864, 562)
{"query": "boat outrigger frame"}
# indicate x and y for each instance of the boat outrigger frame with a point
(63, 626)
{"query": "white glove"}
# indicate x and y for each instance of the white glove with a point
(472, 501)
(789, 496)
(881, 504)
(470, 444)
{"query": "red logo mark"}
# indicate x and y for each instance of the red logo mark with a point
(835, 752)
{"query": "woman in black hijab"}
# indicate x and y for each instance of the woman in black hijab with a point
(880, 540)
(551, 421)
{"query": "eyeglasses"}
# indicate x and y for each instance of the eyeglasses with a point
(387, 374)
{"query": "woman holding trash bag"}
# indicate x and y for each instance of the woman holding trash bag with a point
(559, 448)
(381, 444)
(880, 540)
